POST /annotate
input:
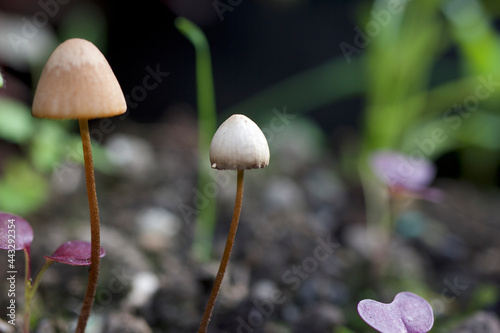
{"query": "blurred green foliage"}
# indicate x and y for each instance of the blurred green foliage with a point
(47, 149)
(46, 146)
(16, 123)
(418, 70)
(485, 296)
(411, 97)
(22, 189)
(429, 76)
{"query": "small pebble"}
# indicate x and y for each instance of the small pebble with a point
(132, 155)
(144, 285)
(156, 227)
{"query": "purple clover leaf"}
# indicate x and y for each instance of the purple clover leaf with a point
(408, 313)
(76, 253)
(15, 232)
(405, 175)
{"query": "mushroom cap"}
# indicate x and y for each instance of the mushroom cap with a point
(78, 83)
(239, 144)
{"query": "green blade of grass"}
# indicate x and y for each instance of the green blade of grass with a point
(205, 224)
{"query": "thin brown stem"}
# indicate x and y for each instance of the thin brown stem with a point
(95, 237)
(225, 257)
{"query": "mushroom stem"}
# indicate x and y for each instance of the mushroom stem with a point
(95, 238)
(225, 257)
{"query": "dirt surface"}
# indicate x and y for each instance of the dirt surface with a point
(303, 256)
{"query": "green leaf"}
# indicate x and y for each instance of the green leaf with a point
(481, 129)
(22, 190)
(484, 297)
(475, 35)
(432, 138)
(48, 145)
(99, 155)
(16, 123)
(1, 80)
(101, 160)
(53, 146)
(343, 329)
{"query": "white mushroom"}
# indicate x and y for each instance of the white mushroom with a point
(239, 144)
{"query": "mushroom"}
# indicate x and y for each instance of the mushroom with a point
(238, 144)
(78, 83)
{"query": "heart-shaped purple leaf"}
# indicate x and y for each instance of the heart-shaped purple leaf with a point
(408, 313)
(15, 232)
(76, 253)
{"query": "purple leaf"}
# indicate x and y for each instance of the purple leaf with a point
(408, 313)
(76, 253)
(15, 232)
(406, 174)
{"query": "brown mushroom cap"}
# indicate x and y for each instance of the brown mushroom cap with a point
(78, 83)
(239, 144)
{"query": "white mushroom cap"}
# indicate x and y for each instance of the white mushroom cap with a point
(77, 82)
(239, 144)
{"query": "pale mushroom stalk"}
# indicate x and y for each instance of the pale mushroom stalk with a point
(227, 253)
(238, 144)
(95, 234)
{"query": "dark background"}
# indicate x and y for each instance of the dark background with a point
(256, 45)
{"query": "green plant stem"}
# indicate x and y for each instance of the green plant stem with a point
(95, 237)
(384, 234)
(379, 217)
(30, 290)
(205, 224)
(225, 257)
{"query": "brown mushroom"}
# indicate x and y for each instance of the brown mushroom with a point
(78, 83)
